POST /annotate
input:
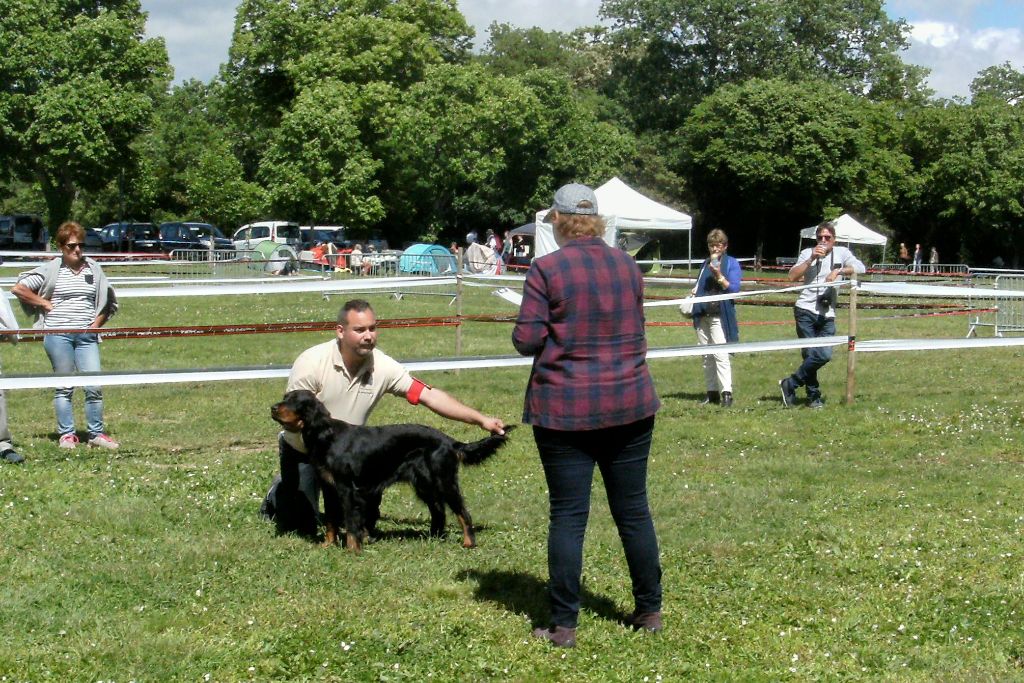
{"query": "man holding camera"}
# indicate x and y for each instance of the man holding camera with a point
(815, 310)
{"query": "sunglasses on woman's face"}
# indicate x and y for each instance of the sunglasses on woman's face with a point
(74, 245)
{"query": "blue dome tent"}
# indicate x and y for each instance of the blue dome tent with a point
(430, 259)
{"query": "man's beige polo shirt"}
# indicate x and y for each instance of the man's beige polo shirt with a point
(350, 398)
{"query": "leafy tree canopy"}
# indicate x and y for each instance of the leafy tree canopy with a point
(279, 48)
(676, 52)
(767, 157)
(1001, 82)
(969, 195)
(77, 85)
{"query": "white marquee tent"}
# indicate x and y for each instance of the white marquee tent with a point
(850, 231)
(623, 208)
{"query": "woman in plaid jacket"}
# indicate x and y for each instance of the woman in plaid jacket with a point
(591, 401)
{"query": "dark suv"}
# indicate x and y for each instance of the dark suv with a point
(175, 236)
(205, 231)
(131, 237)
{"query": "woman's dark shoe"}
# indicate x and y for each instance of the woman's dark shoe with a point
(726, 399)
(10, 455)
(713, 397)
(559, 636)
(644, 621)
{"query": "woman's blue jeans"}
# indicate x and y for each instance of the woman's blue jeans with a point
(569, 458)
(70, 353)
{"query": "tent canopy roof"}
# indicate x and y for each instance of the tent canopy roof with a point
(849, 230)
(527, 229)
(626, 208)
(622, 208)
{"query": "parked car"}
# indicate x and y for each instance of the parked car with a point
(131, 237)
(282, 232)
(6, 232)
(204, 231)
(93, 240)
(174, 236)
(314, 236)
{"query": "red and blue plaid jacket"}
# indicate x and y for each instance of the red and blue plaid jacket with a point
(582, 320)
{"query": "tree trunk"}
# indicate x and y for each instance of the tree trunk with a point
(59, 193)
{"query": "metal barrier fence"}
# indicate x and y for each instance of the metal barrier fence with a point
(1008, 316)
(204, 263)
(948, 269)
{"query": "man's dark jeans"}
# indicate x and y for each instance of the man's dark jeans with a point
(569, 458)
(293, 500)
(810, 325)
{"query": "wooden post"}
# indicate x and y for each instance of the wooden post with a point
(458, 305)
(851, 344)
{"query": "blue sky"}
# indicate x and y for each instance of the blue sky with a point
(953, 38)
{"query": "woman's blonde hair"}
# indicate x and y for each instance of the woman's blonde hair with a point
(573, 225)
(67, 230)
(717, 236)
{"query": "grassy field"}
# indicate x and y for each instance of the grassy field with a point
(881, 540)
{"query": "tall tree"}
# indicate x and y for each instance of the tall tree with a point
(467, 149)
(317, 168)
(1001, 82)
(968, 195)
(676, 52)
(280, 47)
(77, 85)
(768, 157)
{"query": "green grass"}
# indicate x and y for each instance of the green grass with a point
(880, 540)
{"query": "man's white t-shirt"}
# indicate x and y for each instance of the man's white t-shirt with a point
(839, 257)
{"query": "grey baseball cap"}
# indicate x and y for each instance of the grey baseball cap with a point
(574, 198)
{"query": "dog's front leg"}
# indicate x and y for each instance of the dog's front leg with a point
(354, 524)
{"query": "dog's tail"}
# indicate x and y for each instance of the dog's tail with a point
(476, 452)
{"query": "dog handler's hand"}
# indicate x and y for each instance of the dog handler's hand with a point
(492, 425)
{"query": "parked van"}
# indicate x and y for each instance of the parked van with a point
(23, 231)
(282, 232)
(6, 232)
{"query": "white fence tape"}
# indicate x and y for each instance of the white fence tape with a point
(276, 372)
(326, 286)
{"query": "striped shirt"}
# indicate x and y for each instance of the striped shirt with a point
(74, 298)
(582, 320)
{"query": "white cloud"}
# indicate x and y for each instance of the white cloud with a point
(936, 34)
(956, 54)
(551, 15)
(197, 34)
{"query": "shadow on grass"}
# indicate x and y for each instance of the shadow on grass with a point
(694, 396)
(526, 594)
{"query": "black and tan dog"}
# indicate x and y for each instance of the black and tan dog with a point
(357, 463)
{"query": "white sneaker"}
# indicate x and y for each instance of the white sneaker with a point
(104, 441)
(68, 441)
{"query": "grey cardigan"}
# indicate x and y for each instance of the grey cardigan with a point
(106, 299)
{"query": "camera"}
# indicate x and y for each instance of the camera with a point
(828, 298)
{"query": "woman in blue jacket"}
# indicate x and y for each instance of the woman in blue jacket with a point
(715, 321)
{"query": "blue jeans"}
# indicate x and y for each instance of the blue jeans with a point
(70, 353)
(809, 325)
(569, 459)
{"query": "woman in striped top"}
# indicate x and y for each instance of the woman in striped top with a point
(71, 293)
